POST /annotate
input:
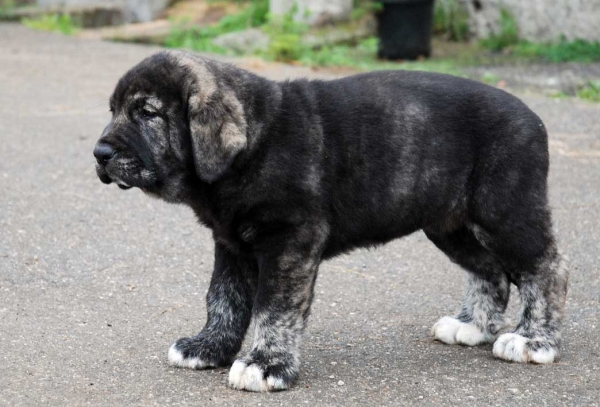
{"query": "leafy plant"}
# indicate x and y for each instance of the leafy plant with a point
(507, 35)
(286, 38)
(62, 23)
(451, 20)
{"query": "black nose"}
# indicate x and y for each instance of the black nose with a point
(103, 152)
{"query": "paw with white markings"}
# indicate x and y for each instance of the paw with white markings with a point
(260, 375)
(198, 353)
(254, 378)
(452, 332)
(516, 348)
(178, 358)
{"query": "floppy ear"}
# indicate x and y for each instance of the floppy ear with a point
(218, 130)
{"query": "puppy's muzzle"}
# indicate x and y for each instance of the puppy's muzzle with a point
(103, 153)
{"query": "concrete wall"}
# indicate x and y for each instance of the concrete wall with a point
(133, 10)
(314, 12)
(538, 20)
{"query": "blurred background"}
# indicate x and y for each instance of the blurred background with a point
(96, 283)
(550, 45)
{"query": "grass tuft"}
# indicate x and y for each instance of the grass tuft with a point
(562, 51)
(590, 91)
(62, 23)
(507, 35)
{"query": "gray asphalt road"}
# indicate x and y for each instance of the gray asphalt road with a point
(96, 283)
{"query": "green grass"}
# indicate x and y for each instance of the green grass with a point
(559, 95)
(561, 51)
(590, 91)
(507, 38)
(363, 57)
(200, 39)
(62, 23)
(490, 78)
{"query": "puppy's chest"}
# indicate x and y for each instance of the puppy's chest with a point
(239, 239)
(237, 236)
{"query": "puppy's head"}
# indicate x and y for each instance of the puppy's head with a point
(175, 119)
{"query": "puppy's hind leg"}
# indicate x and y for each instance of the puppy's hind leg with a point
(543, 290)
(481, 316)
(519, 232)
(509, 206)
(229, 303)
(525, 244)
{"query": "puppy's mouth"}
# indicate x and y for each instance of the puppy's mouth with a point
(107, 179)
(103, 176)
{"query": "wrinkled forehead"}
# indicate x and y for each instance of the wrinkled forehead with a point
(129, 94)
(137, 98)
(163, 78)
(153, 81)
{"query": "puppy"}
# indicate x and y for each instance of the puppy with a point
(289, 174)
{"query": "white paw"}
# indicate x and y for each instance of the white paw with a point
(452, 331)
(252, 378)
(176, 358)
(515, 348)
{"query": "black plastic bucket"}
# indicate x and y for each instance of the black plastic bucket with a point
(404, 29)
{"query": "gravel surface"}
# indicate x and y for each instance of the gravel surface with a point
(96, 283)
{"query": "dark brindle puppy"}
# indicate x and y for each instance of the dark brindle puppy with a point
(290, 174)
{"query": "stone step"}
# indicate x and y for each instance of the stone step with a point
(153, 32)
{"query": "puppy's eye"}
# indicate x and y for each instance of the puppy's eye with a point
(148, 114)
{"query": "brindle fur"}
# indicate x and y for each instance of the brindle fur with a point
(289, 174)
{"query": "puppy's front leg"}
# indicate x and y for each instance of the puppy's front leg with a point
(229, 304)
(280, 313)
